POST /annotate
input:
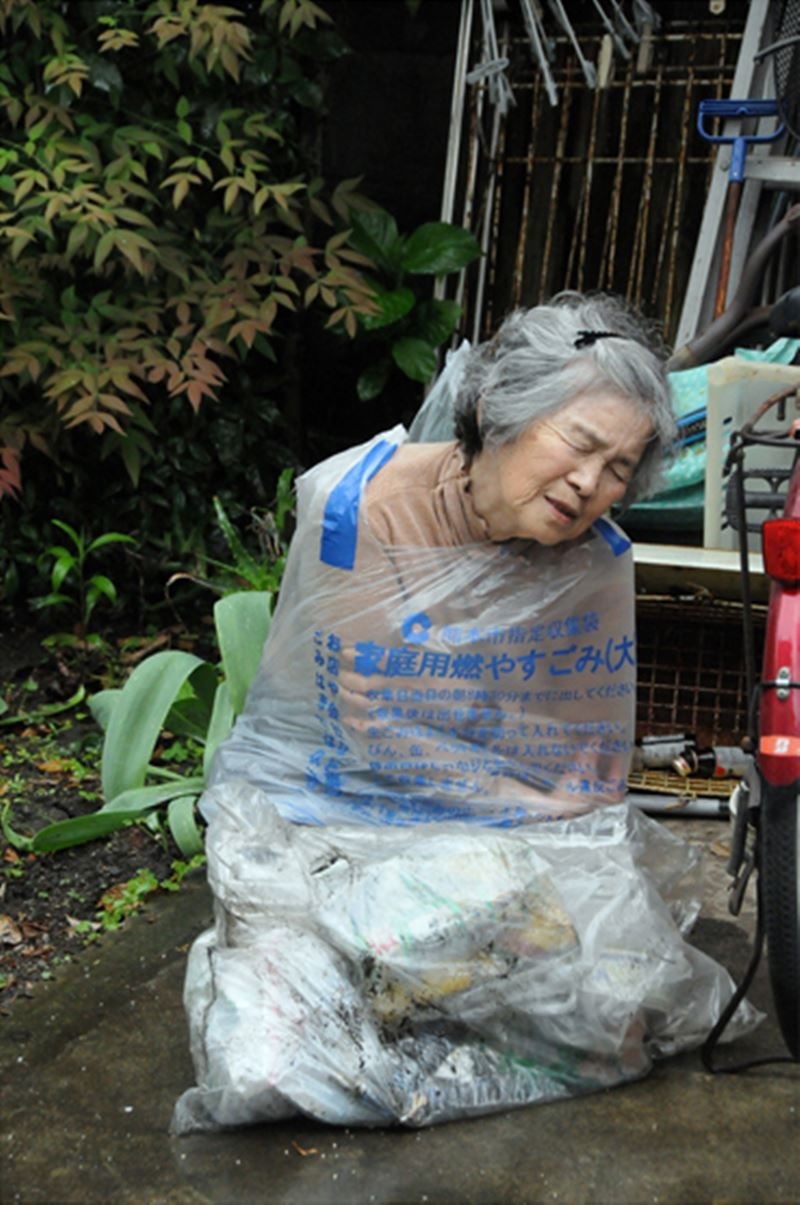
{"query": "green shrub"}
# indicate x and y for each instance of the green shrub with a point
(159, 216)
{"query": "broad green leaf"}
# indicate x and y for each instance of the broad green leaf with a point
(183, 825)
(144, 799)
(438, 247)
(242, 622)
(375, 235)
(435, 321)
(102, 704)
(394, 305)
(138, 718)
(131, 806)
(80, 829)
(415, 357)
(222, 717)
(191, 713)
(373, 380)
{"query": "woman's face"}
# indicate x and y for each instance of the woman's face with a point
(563, 472)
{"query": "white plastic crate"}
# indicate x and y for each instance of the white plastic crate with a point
(736, 388)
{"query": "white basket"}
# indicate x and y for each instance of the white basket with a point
(736, 388)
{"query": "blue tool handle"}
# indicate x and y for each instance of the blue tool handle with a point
(738, 108)
(738, 156)
(728, 109)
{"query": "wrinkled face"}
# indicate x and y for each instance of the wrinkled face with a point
(563, 472)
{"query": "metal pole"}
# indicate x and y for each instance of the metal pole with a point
(457, 111)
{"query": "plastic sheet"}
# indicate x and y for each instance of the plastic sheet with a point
(368, 976)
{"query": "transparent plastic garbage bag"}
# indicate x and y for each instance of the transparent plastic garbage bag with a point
(408, 685)
(373, 976)
(430, 900)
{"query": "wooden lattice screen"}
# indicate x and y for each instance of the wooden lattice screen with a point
(606, 190)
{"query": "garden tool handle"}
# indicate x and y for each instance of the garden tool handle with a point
(729, 110)
(731, 210)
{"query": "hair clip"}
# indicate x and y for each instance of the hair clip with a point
(588, 338)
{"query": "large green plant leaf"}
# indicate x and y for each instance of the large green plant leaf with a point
(435, 321)
(415, 357)
(138, 717)
(222, 718)
(140, 800)
(191, 712)
(184, 827)
(127, 807)
(375, 234)
(242, 622)
(80, 829)
(102, 704)
(437, 248)
(393, 304)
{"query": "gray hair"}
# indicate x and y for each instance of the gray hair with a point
(538, 362)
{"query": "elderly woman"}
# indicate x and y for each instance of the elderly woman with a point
(455, 633)
(452, 657)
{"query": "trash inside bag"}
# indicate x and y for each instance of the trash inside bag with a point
(373, 976)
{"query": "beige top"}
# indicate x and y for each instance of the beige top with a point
(421, 498)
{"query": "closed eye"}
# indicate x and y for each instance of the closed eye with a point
(622, 472)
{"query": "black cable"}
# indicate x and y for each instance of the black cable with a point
(708, 1047)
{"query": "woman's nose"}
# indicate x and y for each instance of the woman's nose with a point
(584, 476)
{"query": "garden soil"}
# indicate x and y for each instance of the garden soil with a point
(52, 905)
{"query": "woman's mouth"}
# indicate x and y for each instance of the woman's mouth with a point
(564, 513)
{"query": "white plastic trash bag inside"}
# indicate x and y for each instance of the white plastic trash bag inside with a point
(369, 976)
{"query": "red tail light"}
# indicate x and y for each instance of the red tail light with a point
(780, 541)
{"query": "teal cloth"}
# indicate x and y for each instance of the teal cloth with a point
(680, 503)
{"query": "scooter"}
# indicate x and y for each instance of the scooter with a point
(766, 803)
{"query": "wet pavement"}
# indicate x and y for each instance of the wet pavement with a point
(91, 1066)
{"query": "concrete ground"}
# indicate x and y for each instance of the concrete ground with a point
(90, 1068)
